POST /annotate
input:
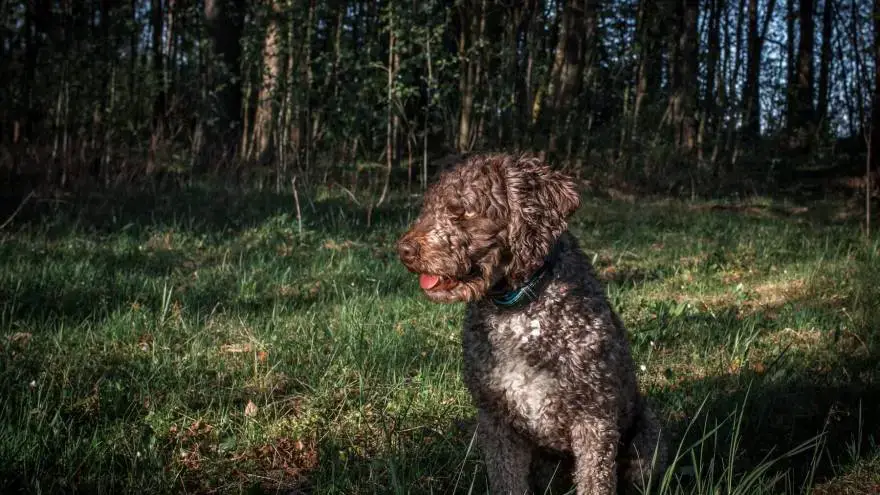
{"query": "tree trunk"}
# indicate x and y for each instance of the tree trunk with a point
(157, 18)
(533, 97)
(804, 113)
(791, 63)
(860, 78)
(714, 49)
(646, 72)
(39, 22)
(684, 80)
(160, 103)
(721, 90)
(470, 40)
(5, 119)
(465, 87)
(132, 63)
(268, 91)
(429, 104)
(752, 89)
(171, 48)
(225, 22)
(101, 131)
(732, 145)
(303, 114)
(21, 128)
(390, 119)
(751, 97)
(575, 32)
(874, 140)
(825, 63)
(513, 117)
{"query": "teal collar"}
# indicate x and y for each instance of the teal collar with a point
(527, 292)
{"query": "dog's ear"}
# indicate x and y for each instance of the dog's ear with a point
(540, 201)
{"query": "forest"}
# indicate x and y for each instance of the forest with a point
(200, 200)
(657, 93)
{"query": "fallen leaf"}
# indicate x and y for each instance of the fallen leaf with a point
(315, 288)
(20, 338)
(235, 348)
(145, 341)
(335, 246)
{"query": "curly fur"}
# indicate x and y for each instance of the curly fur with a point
(554, 376)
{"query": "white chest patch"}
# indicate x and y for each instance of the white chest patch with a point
(520, 328)
(527, 390)
(535, 326)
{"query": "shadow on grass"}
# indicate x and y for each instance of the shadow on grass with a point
(69, 286)
(215, 210)
(778, 415)
(828, 395)
(71, 304)
(114, 278)
(199, 210)
(741, 317)
(830, 389)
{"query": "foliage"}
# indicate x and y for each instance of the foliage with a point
(112, 91)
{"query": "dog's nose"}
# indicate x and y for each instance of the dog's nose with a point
(407, 249)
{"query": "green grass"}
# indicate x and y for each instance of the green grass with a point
(197, 341)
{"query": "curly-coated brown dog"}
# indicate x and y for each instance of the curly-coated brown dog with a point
(545, 357)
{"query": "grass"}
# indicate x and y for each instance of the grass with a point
(197, 341)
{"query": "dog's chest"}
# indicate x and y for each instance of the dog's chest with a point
(522, 387)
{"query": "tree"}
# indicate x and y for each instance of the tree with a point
(790, 61)
(322, 88)
(472, 18)
(802, 115)
(825, 62)
(574, 50)
(225, 20)
(683, 81)
(157, 18)
(39, 25)
(650, 53)
(716, 7)
(160, 100)
(874, 140)
(752, 89)
(267, 100)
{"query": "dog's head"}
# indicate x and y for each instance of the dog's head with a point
(491, 218)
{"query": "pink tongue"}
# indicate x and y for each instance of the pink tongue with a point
(428, 282)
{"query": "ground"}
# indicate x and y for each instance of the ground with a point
(205, 340)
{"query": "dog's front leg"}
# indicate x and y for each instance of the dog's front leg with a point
(507, 456)
(594, 444)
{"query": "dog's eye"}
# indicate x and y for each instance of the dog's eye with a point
(460, 212)
(456, 210)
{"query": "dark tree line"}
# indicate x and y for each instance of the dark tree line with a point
(316, 88)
